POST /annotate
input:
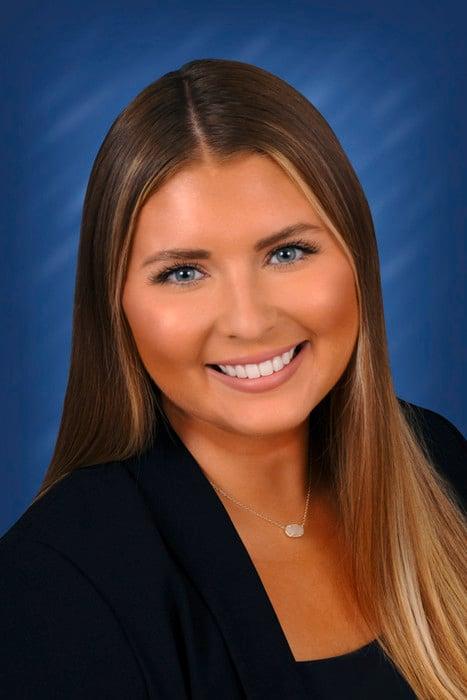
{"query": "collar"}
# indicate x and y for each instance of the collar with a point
(197, 528)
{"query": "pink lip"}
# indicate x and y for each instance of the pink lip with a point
(263, 383)
(255, 359)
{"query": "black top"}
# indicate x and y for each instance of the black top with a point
(363, 673)
(129, 580)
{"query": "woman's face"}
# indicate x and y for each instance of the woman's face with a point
(238, 298)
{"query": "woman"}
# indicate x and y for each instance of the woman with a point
(238, 504)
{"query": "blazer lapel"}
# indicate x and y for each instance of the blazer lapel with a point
(197, 527)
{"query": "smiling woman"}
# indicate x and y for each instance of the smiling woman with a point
(229, 373)
(255, 300)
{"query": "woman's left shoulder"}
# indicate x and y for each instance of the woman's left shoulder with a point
(445, 442)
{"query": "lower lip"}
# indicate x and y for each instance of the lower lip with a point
(262, 383)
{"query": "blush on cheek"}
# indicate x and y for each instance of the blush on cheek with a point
(167, 346)
(334, 307)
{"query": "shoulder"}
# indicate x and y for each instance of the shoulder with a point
(95, 517)
(90, 491)
(64, 639)
(444, 442)
(87, 509)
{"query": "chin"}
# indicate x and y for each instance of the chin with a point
(264, 424)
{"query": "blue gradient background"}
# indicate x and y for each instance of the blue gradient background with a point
(391, 83)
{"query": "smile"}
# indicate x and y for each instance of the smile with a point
(261, 369)
(263, 376)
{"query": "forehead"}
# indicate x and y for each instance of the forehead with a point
(249, 194)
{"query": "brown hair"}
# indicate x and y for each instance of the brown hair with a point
(402, 526)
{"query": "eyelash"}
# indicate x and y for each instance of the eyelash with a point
(162, 276)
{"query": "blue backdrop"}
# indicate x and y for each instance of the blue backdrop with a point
(389, 80)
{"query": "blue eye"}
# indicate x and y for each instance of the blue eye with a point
(288, 247)
(164, 276)
(177, 270)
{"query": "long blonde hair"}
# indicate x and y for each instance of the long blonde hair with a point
(403, 529)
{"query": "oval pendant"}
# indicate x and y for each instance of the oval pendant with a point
(294, 530)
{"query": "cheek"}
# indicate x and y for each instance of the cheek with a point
(162, 332)
(330, 305)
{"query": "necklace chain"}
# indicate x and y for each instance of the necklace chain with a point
(295, 528)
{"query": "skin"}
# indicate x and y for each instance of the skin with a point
(254, 446)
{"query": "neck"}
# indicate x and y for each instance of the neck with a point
(267, 473)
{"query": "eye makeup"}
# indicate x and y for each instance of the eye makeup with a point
(307, 248)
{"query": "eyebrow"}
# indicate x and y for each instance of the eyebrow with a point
(201, 254)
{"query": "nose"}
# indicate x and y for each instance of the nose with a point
(246, 310)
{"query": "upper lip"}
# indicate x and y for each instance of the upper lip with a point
(256, 359)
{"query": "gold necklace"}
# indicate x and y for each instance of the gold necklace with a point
(292, 529)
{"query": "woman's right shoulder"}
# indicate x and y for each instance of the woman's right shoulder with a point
(85, 495)
(62, 636)
(66, 564)
(94, 517)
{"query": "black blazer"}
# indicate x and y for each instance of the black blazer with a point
(128, 580)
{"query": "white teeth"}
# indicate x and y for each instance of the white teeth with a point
(265, 368)
(240, 371)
